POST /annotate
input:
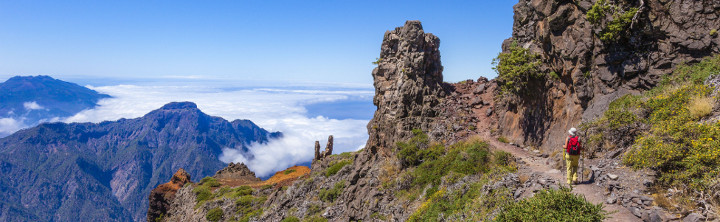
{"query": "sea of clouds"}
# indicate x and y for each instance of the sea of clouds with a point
(275, 109)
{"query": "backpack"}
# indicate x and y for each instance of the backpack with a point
(573, 146)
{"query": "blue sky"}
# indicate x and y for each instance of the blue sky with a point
(284, 41)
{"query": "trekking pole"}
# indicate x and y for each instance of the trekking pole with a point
(582, 174)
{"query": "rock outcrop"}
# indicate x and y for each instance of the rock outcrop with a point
(162, 196)
(409, 91)
(327, 152)
(236, 172)
(594, 72)
(408, 85)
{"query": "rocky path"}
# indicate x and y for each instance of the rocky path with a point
(534, 164)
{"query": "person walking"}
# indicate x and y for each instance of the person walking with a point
(572, 155)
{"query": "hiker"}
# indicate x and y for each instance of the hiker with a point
(572, 155)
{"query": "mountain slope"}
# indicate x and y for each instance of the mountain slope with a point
(591, 52)
(30, 99)
(66, 172)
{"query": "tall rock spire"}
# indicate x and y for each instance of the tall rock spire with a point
(408, 84)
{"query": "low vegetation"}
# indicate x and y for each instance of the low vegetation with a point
(470, 202)
(329, 195)
(214, 214)
(337, 166)
(516, 68)
(431, 167)
(291, 219)
(618, 26)
(502, 139)
(553, 205)
(613, 29)
(597, 12)
(669, 132)
(247, 205)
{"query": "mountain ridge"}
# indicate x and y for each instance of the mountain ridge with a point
(117, 161)
(29, 100)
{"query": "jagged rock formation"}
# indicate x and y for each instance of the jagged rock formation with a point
(162, 196)
(594, 72)
(408, 85)
(236, 172)
(327, 152)
(66, 172)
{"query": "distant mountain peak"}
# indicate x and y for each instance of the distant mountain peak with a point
(30, 100)
(38, 77)
(179, 105)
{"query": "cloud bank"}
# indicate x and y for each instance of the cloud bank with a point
(275, 109)
(9, 126)
(32, 105)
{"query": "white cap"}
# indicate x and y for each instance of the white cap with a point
(572, 131)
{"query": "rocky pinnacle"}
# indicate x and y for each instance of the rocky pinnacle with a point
(408, 84)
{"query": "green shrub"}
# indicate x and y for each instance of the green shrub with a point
(597, 12)
(516, 68)
(467, 157)
(241, 191)
(291, 219)
(314, 209)
(416, 150)
(553, 205)
(329, 195)
(694, 74)
(614, 29)
(378, 216)
(472, 127)
(251, 214)
(713, 32)
(159, 218)
(347, 155)
(265, 187)
(315, 219)
(333, 169)
(377, 61)
(502, 158)
(619, 25)
(502, 139)
(214, 214)
(554, 75)
(245, 201)
(463, 205)
(202, 193)
(209, 181)
(289, 171)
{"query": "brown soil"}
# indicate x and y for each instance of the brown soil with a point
(280, 178)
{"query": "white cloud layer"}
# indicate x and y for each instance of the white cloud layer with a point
(9, 126)
(273, 109)
(32, 105)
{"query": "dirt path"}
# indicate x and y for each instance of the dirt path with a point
(592, 192)
(533, 164)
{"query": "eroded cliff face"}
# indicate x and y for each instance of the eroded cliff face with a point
(593, 72)
(162, 196)
(408, 86)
